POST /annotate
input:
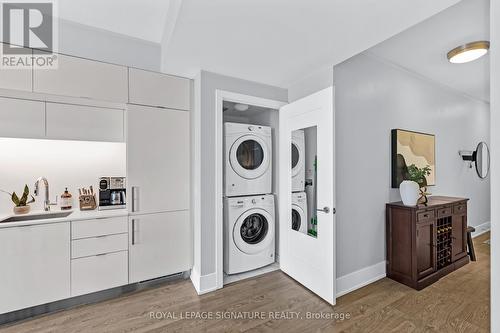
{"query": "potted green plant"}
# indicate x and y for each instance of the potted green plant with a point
(411, 188)
(21, 204)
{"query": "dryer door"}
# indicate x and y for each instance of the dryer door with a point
(250, 156)
(299, 220)
(253, 232)
(297, 156)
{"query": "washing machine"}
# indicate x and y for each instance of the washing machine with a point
(299, 212)
(249, 224)
(298, 161)
(248, 159)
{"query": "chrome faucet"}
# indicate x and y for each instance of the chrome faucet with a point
(46, 202)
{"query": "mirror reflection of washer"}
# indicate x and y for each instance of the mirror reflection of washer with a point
(248, 159)
(299, 212)
(298, 161)
(249, 229)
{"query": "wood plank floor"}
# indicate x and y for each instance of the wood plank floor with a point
(456, 303)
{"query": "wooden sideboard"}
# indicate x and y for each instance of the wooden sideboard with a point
(425, 243)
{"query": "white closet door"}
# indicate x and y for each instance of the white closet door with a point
(309, 258)
(22, 118)
(157, 159)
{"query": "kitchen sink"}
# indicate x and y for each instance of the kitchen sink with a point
(44, 216)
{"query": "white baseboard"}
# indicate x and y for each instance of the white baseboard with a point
(360, 278)
(203, 283)
(481, 229)
(345, 284)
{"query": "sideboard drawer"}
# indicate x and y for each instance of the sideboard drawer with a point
(460, 208)
(444, 212)
(425, 215)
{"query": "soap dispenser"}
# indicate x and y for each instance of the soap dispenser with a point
(66, 200)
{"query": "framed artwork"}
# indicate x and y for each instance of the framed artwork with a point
(409, 148)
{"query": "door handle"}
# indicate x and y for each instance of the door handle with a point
(325, 210)
(135, 198)
(133, 231)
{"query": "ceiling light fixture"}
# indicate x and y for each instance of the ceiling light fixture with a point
(241, 107)
(468, 52)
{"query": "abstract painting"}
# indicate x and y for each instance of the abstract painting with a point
(409, 148)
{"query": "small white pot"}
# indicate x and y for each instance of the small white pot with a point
(410, 192)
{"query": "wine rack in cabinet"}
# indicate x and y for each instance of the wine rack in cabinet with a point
(444, 244)
(426, 242)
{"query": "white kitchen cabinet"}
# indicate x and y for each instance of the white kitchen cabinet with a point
(35, 263)
(78, 122)
(99, 227)
(98, 245)
(16, 78)
(78, 77)
(22, 118)
(158, 89)
(157, 159)
(100, 272)
(160, 245)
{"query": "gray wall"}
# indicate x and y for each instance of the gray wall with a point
(209, 83)
(373, 97)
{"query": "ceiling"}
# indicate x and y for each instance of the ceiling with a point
(279, 42)
(143, 19)
(422, 49)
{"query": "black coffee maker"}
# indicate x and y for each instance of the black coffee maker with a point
(112, 193)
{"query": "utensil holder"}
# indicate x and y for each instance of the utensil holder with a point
(88, 202)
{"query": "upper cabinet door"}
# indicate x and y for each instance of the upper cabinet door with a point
(157, 89)
(16, 79)
(22, 118)
(77, 77)
(157, 159)
(77, 122)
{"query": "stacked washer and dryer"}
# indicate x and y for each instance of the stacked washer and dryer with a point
(299, 196)
(249, 210)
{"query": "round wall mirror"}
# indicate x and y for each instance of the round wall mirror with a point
(482, 160)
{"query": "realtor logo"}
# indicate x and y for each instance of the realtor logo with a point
(28, 31)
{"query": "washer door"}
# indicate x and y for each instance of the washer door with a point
(249, 156)
(297, 156)
(298, 218)
(253, 232)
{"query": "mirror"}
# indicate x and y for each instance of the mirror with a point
(304, 176)
(482, 159)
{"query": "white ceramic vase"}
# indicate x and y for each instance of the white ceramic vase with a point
(410, 192)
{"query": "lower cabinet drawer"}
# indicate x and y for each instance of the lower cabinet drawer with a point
(99, 227)
(91, 274)
(98, 245)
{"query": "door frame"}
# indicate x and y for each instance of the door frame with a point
(220, 97)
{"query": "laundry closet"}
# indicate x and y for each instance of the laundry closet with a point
(250, 188)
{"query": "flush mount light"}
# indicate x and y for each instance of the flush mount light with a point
(241, 107)
(468, 52)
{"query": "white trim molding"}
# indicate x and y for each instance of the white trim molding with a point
(358, 279)
(220, 97)
(481, 229)
(203, 283)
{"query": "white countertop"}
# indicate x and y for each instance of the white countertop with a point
(76, 215)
